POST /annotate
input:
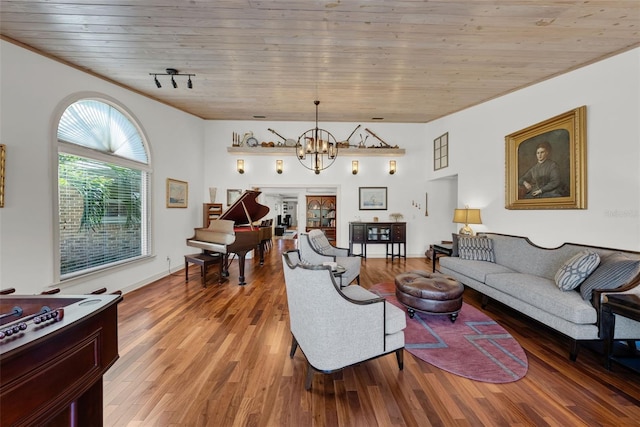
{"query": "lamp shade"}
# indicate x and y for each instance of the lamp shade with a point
(467, 216)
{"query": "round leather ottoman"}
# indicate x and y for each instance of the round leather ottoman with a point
(431, 293)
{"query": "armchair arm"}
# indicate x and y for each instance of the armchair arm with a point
(341, 252)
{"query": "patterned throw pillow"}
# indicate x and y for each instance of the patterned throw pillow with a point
(575, 270)
(320, 242)
(615, 270)
(476, 248)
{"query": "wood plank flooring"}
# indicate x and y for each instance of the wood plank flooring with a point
(219, 356)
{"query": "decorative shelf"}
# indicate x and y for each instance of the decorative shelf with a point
(278, 151)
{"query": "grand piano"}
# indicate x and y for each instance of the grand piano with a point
(234, 232)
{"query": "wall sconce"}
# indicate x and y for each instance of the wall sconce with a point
(354, 167)
(467, 216)
(279, 166)
(392, 167)
(240, 166)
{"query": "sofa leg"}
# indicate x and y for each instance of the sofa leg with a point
(400, 358)
(309, 380)
(484, 301)
(294, 346)
(575, 346)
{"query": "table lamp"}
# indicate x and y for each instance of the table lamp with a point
(467, 216)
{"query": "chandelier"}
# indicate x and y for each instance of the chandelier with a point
(317, 148)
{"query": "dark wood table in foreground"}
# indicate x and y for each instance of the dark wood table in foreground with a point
(52, 369)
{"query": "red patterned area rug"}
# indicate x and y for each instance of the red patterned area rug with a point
(474, 346)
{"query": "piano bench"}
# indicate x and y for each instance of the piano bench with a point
(204, 261)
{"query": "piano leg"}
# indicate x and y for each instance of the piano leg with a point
(261, 251)
(241, 258)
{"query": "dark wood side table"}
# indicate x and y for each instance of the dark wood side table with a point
(442, 249)
(626, 305)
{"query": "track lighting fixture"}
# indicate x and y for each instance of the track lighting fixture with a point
(173, 73)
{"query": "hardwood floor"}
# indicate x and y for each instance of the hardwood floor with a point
(219, 356)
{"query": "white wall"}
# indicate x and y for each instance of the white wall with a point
(409, 182)
(187, 148)
(33, 88)
(611, 91)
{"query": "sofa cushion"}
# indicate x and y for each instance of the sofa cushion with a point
(476, 248)
(519, 254)
(615, 270)
(576, 269)
(543, 294)
(476, 270)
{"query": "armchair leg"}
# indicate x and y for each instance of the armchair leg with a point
(294, 346)
(400, 358)
(309, 380)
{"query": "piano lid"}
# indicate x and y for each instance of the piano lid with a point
(246, 209)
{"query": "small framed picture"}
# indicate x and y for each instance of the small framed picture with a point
(373, 198)
(177, 193)
(233, 195)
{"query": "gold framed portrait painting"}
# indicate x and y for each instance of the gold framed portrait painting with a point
(546, 164)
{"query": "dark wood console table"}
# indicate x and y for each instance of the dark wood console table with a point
(391, 234)
(627, 305)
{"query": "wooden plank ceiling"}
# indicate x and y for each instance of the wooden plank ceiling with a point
(402, 61)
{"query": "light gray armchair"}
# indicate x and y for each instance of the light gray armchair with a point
(337, 327)
(316, 249)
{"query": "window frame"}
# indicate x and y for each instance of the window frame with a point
(61, 147)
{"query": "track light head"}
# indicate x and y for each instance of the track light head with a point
(173, 73)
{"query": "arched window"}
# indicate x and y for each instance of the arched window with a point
(103, 189)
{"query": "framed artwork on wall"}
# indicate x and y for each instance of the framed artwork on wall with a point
(546, 164)
(441, 152)
(233, 195)
(373, 198)
(177, 193)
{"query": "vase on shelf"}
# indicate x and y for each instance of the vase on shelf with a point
(212, 194)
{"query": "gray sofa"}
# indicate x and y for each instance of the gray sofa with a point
(523, 278)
